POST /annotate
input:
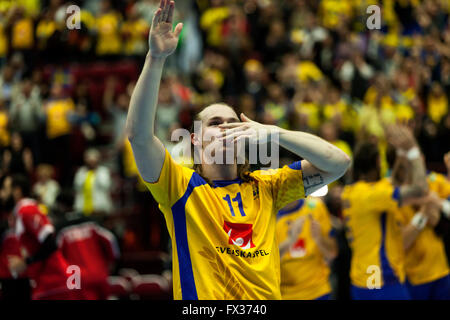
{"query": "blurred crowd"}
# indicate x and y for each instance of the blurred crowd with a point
(299, 64)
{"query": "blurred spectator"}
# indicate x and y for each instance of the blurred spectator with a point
(58, 109)
(46, 188)
(135, 34)
(437, 103)
(7, 83)
(22, 30)
(4, 124)
(211, 22)
(17, 159)
(26, 115)
(108, 30)
(276, 106)
(92, 185)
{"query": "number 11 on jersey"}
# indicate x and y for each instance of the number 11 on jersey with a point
(237, 199)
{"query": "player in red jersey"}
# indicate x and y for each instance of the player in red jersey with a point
(41, 260)
(88, 245)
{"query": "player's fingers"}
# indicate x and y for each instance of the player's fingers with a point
(165, 11)
(171, 10)
(156, 17)
(242, 137)
(231, 137)
(229, 134)
(231, 125)
(236, 129)
(178, 29)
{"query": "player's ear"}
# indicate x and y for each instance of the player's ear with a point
(195, 139)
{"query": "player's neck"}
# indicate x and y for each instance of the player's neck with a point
(371, 176)
(220, 171)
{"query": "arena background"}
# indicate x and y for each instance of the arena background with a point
(305, 65)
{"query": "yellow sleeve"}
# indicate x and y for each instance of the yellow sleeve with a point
(286, 184)
(172, 182)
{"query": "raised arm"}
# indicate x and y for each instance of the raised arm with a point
(403, 140)
(147, 149)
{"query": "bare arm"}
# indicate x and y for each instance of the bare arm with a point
(323, 164)
(328, 247)
(294, 231)
(403, 139)
(147, 149)
(326, 244)
(428, 215)
(410, 233)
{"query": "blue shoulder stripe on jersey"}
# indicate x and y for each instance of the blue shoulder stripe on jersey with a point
(224, 183)
(297, 165)
(188, 289)
(396, 194)
(387, 272)
(297, 207)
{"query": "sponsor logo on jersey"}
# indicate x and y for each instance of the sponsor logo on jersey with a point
(239, 234)
(298, 250)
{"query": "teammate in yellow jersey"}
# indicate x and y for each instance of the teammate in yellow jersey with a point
(307, 247)
(221, 217)
(372, 225)
(426, 265)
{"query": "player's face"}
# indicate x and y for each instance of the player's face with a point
(211, 118)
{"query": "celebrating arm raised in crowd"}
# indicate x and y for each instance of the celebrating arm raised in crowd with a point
(147, 148)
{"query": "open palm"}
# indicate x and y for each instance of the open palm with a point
(162, 40)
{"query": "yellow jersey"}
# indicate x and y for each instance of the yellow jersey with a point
(136, 41)
(3, 40)
(426, 260)
(224, 234)
(211, 22)
(108, 28)
(373, 230)
(439, 183)
(22, 34)
(58, 117)
(4, 132)
(304, 271)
